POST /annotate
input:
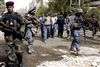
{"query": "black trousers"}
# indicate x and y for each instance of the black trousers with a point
(60, 32)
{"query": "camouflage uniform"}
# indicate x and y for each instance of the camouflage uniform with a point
(13, 41)
(95, 25)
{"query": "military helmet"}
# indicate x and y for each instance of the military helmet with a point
(79, 10)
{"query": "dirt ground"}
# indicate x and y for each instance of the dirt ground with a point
(53, 50)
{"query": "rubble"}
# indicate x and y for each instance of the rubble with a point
(89, 58)
(68, 61)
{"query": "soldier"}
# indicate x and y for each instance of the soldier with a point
(69, 20)
(95, 25)
(13, 45)
(77, 25)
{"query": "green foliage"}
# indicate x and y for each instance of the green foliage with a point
(58, 5)
(40, 11)
(94, 11)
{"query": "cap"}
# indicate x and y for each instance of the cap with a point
(9, 3)
(32, 10)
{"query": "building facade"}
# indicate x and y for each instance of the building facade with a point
(2, 6)
(38, 4)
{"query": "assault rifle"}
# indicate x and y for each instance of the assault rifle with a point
(14, 31)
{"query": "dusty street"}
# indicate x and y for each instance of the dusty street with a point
(56, 53)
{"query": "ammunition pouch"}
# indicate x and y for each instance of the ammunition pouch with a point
(74, 25)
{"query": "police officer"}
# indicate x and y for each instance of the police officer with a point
(13, 45)
(31, 25)
(95, 25)
(28, 33)
(77, 25)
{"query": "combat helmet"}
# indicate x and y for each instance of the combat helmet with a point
(79, 10)
(31, 11)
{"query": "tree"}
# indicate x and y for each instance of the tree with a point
(59, 5)
(40, 11)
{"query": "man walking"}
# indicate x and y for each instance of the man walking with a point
(69, 20)
(61, 21)
(47, 23)
(77, 25)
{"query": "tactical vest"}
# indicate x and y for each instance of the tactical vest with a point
(78, 23)
(33, 25)
(12, 20)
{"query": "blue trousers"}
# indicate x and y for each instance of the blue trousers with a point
(30, 39)
(46, 32)
(75, 42)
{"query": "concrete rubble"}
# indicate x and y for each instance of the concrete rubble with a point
(75, 61)
(78, 61)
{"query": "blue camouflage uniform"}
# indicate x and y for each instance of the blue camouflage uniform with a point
(29, 34)
(77, 25)
(30, 25)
